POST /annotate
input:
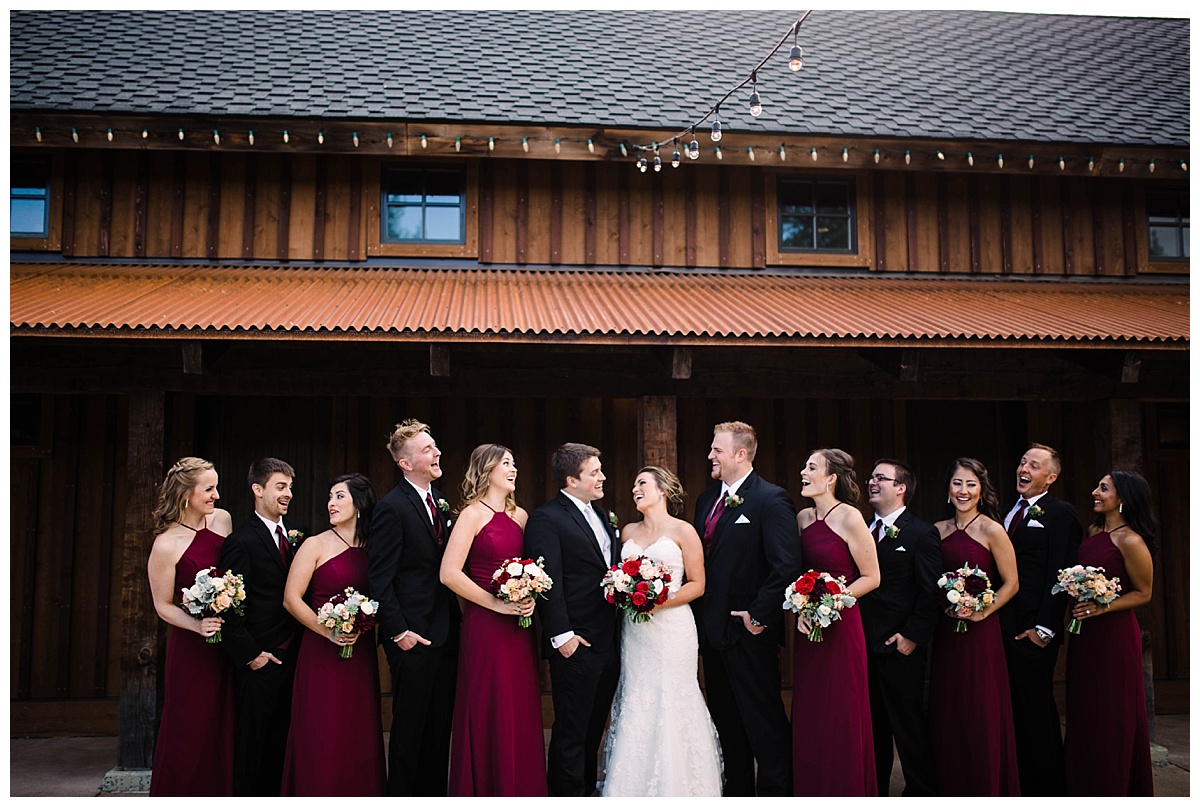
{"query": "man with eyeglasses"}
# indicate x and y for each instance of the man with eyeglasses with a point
(898, 621)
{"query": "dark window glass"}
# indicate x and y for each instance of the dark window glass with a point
(423, 205)
(1168, 211)
(816, 216)
(29, 203)
(25, 419)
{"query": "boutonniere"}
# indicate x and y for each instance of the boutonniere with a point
(1034, 512)
(890, 532)
(612, 519)
(294, 537)
(733, 500)
(443, 505)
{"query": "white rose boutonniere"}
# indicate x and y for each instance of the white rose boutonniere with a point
(1034, 513)
(295, 537)
(443, 505)
(733, 500)
(890, 532)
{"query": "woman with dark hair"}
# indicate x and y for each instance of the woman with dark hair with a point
(193, 755)
(497, 745)
(335, 744)
(970, 706)
(1108, 739)
(662, 741)
(830, 676)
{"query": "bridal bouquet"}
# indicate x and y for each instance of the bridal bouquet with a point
(350, 613)
(636, 585)
(820, 598)
(212, 595)
(967, 590)
(518, 579)
(1086, 583)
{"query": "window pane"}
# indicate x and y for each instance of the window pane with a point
(1161, 204)
(1164, 242)
(796, 233)
(833, 233)
(1187, 242)
(795, 198)
(832, 198)
(443, 224)
(29, 174)
(442, 187)
(404, 198)
(28, 216)
(404, 223)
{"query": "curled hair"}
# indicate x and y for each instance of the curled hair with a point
(743, 436)
(904, 476)
(476, 480)
(363, 496)
(989, 502)
(261, 470)
(1055, 459)
(176, 489)
(404, 431)
(1137, 509)
(669, 486)
(842, 464)
(568, 459)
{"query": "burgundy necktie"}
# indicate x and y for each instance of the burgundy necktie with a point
(284, 549)
(878, 529)
(433, 513)
(1016, 521)
(710, 523)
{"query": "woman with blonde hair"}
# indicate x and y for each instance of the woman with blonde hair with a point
(193, 755)
(497, 742)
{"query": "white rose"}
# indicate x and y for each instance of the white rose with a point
(942, 581)
(514, 568)
(953, 596)
(368, 607)
(532, 569)
(824, 610)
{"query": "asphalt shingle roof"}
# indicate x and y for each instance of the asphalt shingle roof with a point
(940, 74)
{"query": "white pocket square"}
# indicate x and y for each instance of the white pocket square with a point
(1035, 523)
(901, 549)
(742, 519)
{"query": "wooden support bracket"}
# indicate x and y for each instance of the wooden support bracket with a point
(439, 361)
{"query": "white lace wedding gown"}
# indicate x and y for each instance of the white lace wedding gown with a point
(661, 741)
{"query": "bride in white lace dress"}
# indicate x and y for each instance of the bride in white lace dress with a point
(661, 740)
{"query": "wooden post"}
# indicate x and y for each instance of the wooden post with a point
(1119, 440)
(139, 628)
(658, 431)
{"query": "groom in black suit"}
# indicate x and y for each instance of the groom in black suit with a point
(418, 616)
(263, 642)
(578, 542)
(1045, 534)
(898, 621)
(751, 554)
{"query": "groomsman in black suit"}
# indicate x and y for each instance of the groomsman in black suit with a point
(1045, 534)
(751, 554)
(898, 620)
(263, 642)
(418, 616)
(579, 542)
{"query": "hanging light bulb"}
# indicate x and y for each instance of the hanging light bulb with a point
(877, 156)
(355, 134)
(389, 139)
(940, 155)
(591, 146)
(782, 153)
(1151, 165)
(181, 134)
(755, 101)
(424, 142)
(1062, 164)
(657, 163)
(1031, 161)
(720, 156)
(146, 134)
(716, 127)
(1091, 164)
(216, 137)
(907, 157)
(491, 144)
(970, 159)
(1000, 160)
(1183, 165)
(813, 153)
(110, 135)
(557, 146)
(1121, 165)
(693, 149)
(285, 135)
(641, 164)
(458, 144)
(675, 154)
(75, 136)
(845, 155)
(37, 132)
(796, 55)
(249, 137)
(624, 151)
(525, 144)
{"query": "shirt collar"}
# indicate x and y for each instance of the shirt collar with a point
(271, 525)
(890, 519)
(731, 489)
(1033, 499)
(423, 491)
(582, 505)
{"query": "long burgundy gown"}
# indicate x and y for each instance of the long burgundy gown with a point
(335, 744)
(833, 750)
(497, 747)
(193, 755)
(970, 708)
(1108, 736)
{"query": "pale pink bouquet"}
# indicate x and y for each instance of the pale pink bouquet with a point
(520, 578)
(348, 613)
(214, 594)
(968, 590)
(1086, 583)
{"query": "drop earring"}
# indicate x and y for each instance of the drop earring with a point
(947, 498)
(185, 501)
(1121, 507)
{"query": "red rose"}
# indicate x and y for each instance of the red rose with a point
(639, 599)
(804, 585)
(974, 585)
(642, 586)
(666, 578)
(631, 567)
(610, 599)
(833, 588)
(662, 597)
(503, 578)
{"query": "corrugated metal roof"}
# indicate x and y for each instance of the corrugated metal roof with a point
(527, 303)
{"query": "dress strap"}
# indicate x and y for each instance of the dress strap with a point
(203, 526)
(340, 538)
(969, 523)
(488, 506)
(831, 509)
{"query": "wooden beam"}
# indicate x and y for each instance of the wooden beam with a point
(439, 361)
(909, 363)
(681, 363)
(193, 357)
(1131, 367)
(658, 431)
(139, 625)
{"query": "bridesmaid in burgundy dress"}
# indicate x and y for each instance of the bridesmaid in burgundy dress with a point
(833, 749)
(1108, 739)
(970, 708)
(497, 746)
(335, 743)
(193, 755)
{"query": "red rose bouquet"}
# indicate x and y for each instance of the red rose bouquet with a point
(820, 598)
(1086, 583)
(637, 584)
(518, 579)
(348, 613)
(967, 590)
(212, 595)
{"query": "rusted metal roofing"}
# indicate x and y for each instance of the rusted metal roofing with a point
(589, 306)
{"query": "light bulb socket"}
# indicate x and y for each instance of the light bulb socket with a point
(755, 103)
(693, 149)
(675, 158)
(716, 131)
(796, 58)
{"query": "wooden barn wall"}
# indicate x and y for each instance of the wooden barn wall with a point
(268, 207)
(69, 497)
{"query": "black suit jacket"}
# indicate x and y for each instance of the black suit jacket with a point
(558, 532)
(1041, 552)
(404, 562)
(251, 551)
(906, 601)
(754, 555)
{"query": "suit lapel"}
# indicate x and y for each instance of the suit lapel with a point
(422, 509)
(577, 515)
(269, 541)
(746, 488)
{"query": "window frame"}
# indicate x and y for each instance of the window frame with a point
(1146, 264)
(863, 256)
(51, 240)
(373, 173)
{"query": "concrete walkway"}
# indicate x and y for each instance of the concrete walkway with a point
(75, 766)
